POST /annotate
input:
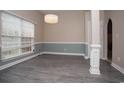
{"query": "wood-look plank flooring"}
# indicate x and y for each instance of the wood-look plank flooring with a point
(59, 69)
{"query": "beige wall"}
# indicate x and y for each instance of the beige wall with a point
(36, 17)
(69, 29)
(118, 36)
(105, 34)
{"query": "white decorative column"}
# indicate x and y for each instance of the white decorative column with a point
(95, 43)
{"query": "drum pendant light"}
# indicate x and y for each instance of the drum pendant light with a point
(51, 18)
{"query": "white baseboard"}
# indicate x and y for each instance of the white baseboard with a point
(61, 43)
(18, 61)
(41, 53)
(86, 57)
(32, 56)
(59, 53)
(118, 68)
(103, 58)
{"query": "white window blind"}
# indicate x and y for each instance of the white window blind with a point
(17, 36)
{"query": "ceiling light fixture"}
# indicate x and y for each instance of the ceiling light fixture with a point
(51, 18)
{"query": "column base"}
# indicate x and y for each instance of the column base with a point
(95, 59)
(95, 71)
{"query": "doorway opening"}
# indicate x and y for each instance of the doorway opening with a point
(109, 40)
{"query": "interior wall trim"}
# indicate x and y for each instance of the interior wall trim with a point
(104, 58)
(37, 42)
(17, 62)
(118, 67)
(35, 55)
(86, 57)
(61, 43)
(59, 53)
(95, 45)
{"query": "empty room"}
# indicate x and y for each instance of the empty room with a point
(61, 46)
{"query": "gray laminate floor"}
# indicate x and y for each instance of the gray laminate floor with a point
(59, 69)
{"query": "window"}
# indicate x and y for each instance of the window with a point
(17, 36)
